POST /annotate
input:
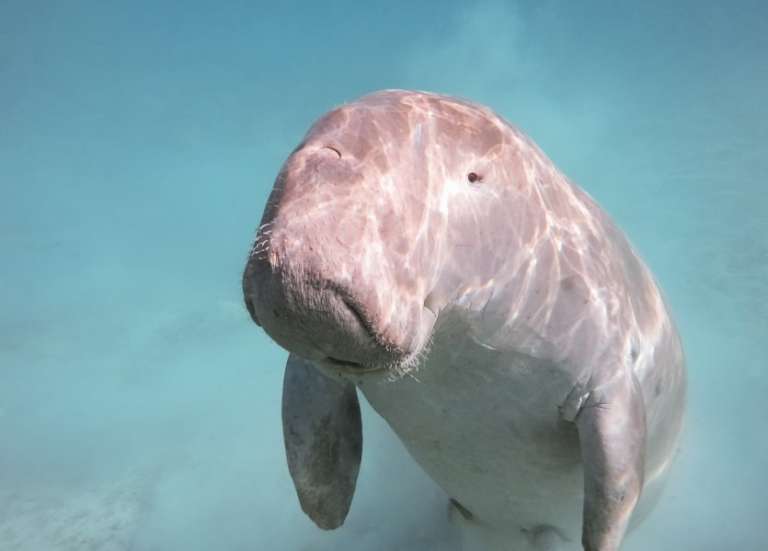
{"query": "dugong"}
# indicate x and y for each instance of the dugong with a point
(422, 250)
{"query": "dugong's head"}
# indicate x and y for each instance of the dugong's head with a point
(374, 223)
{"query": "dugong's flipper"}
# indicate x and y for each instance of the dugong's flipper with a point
(323, 441)
(612, 429)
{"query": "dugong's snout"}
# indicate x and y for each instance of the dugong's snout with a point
(318, 316)
(337, 273)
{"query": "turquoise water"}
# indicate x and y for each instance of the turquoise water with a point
(139, 407)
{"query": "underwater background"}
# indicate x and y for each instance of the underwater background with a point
(140, 407)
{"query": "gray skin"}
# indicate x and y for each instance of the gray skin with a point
(422, 249)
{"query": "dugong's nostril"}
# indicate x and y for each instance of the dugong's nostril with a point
(333, 150)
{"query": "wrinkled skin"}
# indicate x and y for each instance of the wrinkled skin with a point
(423, 249)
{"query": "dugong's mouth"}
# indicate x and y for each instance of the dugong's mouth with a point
(352, 368)
(340, 326)
(344, 363)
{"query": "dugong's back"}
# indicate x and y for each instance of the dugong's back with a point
(635, 315)
(638, 314)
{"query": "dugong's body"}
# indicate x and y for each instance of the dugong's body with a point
(424, 251)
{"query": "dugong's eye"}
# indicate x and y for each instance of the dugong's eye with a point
(474, 177)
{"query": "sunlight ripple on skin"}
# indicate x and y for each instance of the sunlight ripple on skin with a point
(487, 308)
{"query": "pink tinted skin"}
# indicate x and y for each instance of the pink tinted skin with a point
(404, 215)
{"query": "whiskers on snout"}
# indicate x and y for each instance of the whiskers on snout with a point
(262, 242)
(297, 298)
